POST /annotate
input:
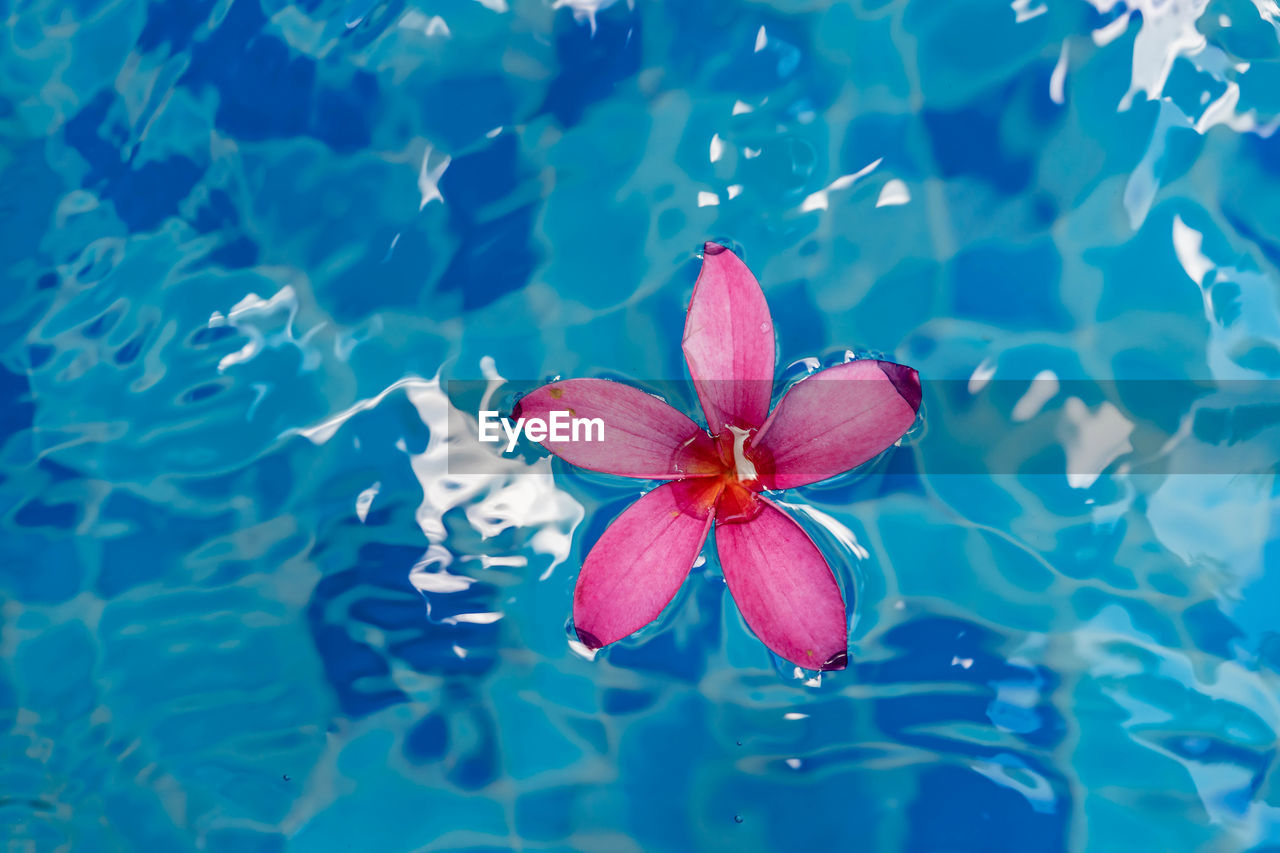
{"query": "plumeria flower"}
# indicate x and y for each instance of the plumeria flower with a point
(824, 425)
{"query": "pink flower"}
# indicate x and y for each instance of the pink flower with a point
(824, 425)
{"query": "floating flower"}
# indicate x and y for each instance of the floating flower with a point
(824, 425)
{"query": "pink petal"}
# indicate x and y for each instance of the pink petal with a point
(728, 342)
(643, 436)
(784, 588)
(636, 567)
(835, 420)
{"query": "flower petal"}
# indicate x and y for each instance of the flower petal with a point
(835, 420)
(784, 588)
(642, 435)
(636, 567)
(728, 342)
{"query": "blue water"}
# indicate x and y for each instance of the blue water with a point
(244, 609)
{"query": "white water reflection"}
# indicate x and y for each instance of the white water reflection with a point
(511, 494)
(1092, 439)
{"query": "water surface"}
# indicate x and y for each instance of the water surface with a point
(245, 242)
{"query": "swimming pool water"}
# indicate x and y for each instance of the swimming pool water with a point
(247, 244)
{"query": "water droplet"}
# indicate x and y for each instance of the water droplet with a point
(737, 818)
(764, 327)
(739, 743)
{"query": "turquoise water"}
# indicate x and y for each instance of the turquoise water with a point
(246, 606)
